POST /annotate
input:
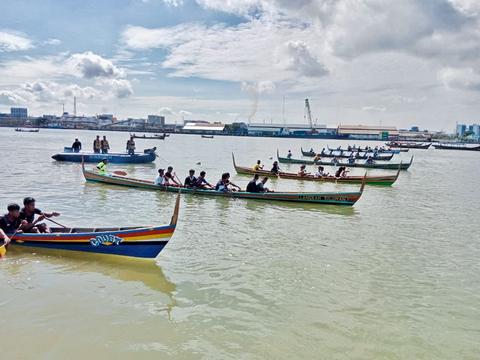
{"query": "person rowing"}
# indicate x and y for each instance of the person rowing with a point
(170, 179)
(320, 172)
(11, 223)
(224, 183)
(258, 166)
(160, 179)
(302, 171)
(102, 166)
(351, 159)
(28, 214)
(370, 160)
(252, 186)
(334, 160)
(261, 185)
(202, 183)
(190, 180)
(289, 155)
(317, 158)
(275, 169)
(341, 172)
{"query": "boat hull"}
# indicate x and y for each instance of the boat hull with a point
(456, 147)
(342, 154)
(409, 145)
(334, 198)
(114, 158)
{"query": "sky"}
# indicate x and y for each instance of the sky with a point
(374, 62)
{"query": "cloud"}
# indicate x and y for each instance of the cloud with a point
(374, 108)
(90, 65)
(121, 88)
(462, 79)
(52, 41)
(14, 41)
(300, 58)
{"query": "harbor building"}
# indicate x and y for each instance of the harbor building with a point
(203, 127)
(363, 132)
(19, 112)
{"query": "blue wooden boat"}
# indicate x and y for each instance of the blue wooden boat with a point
(148, 156)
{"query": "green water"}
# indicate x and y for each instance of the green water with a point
(394, 277)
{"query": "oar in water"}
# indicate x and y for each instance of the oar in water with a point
(3, 248)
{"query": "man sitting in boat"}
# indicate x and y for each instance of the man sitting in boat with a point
(97, 145)
(334, 160)
(341, 172)
(289, 155)
(76, 146)
(224, 183)
(322, 152)
(320, 172)
(190, 180)
(10, 222)
(351, 159)
(252, 186)
(170, 179)
(160, 179)
(102, 167)
(275, 169)
(202, 183)
(104, 145)
(302, 171)
(317, 158)
(370, 160)
(131, 146)
(261, 185)
(258, 166)
(28, 213)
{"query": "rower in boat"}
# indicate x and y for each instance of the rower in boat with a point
(258, 166)
(261, 185)
(341, 172)
(320, 172)
(289, 155)
(160, 179)
(28, 214)
(334, 160)
(10, 223)
(351, 159)
(202, 183)
(102, 167)
(302, 171)
(224, 183)
(170, 179)
(190, 180)
(252, 186)
(317, 158)
(370, 160)
(322, 152)
(275, 169)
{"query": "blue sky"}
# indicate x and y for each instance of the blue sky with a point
(401, 63)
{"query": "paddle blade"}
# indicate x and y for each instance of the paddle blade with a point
(3, 250)
(120, 173)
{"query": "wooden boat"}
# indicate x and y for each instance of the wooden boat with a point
(157, 137)
(388, 166)
(332, 198)
(137, 241)
(369, 150)
(340, 154)
(455, 146)
(148, 156)
(408, 145)
(386, 180)
(207, 136)
(27, 130)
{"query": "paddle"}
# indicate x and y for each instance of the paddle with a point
(3, 248)
(53, 221)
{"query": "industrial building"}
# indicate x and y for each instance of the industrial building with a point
(364, 132)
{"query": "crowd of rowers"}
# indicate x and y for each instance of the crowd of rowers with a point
(340, 173)
(103, 146)
(23, 220)
(334, 161)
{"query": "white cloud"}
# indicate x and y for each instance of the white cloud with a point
(52, 41)
(121, 88)
(463, 79)
(90, 65)
(298, 57)
(374, 108)
(13, 41)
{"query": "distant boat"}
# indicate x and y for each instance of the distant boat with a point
(157, 137)
(455, 146)
(27, 130)
(408, 145)
(148, 156)
(207, 136)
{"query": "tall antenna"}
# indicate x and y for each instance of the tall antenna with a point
(308, 113)
(75, 106)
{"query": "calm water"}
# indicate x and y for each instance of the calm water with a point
(395, 277)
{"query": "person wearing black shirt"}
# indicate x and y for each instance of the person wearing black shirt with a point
(10, 222)
(252, 185)
(77, 146)
(275, 169)
(190, 180)
(28, 213)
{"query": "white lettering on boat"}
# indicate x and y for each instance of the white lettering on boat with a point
(105, 240)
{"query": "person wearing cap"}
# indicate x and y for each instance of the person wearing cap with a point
(28, 214)
(102, 166)
(190, 180)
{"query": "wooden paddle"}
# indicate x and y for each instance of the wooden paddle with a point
(3, 248)
(53, 221)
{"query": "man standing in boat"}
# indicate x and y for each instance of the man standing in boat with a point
(76, 146)
(131, 146)
(104, 145)
(28, 213)
(97, 145)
